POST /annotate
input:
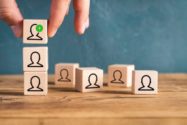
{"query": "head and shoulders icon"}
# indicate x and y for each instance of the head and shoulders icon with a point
(35, 30)
(146, 83)
(35, 60)
(117, 76)
(92, 81)
(64, 75)
(35, 84)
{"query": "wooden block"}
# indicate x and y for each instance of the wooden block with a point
(120, 75)
(35, 31)
(89, 79)
(145, 82)
(35, 59)
(65, 74)
(35, 83)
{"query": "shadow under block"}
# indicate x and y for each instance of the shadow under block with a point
(35, 31)
(89, 79)
(145, 82)
(35, 59)
(120, 75)
(35, 83)
(65, 74)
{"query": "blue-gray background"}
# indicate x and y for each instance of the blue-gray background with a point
(152, 34)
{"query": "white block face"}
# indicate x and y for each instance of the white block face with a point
(65, 74)
(35, 31)
(120, 75)
(35, 59)
(145, 82)
(89, 79)
(35, 83)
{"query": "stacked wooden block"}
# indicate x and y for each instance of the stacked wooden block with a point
(89, 79)
(35, 59)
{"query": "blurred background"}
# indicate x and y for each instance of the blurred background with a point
(152, 34)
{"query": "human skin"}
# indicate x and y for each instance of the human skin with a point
(10, 13)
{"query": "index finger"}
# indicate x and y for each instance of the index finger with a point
(57, 13)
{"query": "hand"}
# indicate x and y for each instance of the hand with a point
(60, 8)
(10, 13)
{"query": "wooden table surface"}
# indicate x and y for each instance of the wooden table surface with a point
(110, 106)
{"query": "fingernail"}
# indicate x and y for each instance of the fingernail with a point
(87, 24)
(67, 12)
(17, 30)
(82, 30)
(52, 34)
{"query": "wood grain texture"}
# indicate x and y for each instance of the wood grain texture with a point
(110, 106)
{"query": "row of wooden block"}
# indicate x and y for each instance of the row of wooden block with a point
(89, 79)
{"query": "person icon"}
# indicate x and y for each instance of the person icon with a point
(92, 80)
(146, 83)
(35, 84)
(117, 75)
(64, 76)
(35, 60)
(35, 30)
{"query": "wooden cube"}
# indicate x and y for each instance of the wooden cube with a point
(35, 31)
(89, 79)
(120, 75)
(65, 74)
(35, 59)
(35, 83)
(145, 82)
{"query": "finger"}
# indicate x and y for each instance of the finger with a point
(81, 8)
(59, 9)
(10, 13)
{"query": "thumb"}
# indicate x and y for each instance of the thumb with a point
(10, 13)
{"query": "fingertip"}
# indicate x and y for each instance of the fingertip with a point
(17, 30)
(81, 15)
(59, 9)
(51, 30)
(51, 34)
(81, 29)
